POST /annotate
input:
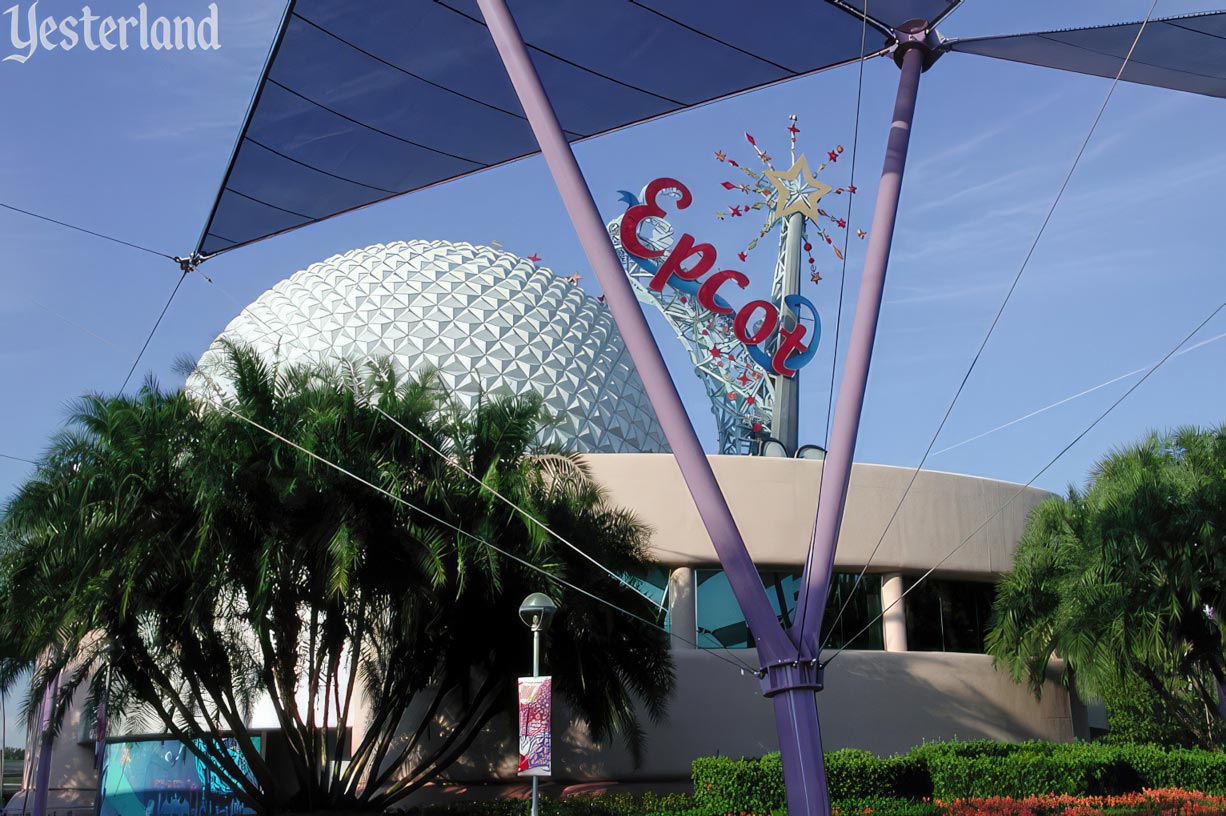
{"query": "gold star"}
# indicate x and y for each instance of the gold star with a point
(797, 190)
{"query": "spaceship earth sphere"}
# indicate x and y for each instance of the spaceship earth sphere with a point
(488, 322)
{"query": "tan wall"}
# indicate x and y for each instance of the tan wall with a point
(884, 702)
(774, 500)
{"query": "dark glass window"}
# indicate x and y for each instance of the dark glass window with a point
(722, 626)
(654, 585)
(863, 609)
(948, 616)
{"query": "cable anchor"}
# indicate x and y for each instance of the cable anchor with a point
(192, 264)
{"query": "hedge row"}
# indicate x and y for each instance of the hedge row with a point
(756, 785)
(981, 769)
(606, 804)
(904, 785)
(965, 770)
(654, 805)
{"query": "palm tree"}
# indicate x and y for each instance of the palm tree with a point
(210, 563)
(1122, 581)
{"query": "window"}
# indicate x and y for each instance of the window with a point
(863, 609)
(654, 585)
(948, 616)
(722, 626)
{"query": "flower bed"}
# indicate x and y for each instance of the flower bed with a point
(1171, 801)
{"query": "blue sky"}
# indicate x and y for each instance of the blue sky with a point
(134, 144)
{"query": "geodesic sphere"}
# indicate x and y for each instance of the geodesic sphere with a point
(485, 320)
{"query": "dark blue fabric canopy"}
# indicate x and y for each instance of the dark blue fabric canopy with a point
(1182, 53)
(364, 101)
(361, 102)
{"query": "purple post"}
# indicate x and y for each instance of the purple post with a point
(832, 499)
(800, 749)
(593, 235)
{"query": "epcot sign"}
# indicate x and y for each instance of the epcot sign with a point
(686, 262)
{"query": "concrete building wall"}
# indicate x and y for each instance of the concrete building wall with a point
(881, 702)
(774, 500)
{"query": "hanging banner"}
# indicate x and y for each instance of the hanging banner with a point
(535, 741)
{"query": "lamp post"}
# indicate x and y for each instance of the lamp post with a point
(537, 613)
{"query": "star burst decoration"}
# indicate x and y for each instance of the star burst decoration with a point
(782, 192)
(796, 191)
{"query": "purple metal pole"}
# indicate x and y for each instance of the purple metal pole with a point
(832, 499)
(593, 235)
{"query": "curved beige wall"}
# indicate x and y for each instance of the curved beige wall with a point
(882, 702)
(877, 701)
(774, 500)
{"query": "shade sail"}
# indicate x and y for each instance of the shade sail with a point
(1181, 53)
(364, 101)
(896, 12)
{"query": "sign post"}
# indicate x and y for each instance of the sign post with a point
(535, 700)
(785, 424)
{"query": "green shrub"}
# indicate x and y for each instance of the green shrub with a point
(756, 785)
(974, 749)
(855, 774)
(1078, 769)
(1185, 768)
(967, 769)
(654, 803)
(708, 810)
(884, 806)
(1014, 775)
(739, 785)
(908, 777)
(1137, 714)
(609, 804)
